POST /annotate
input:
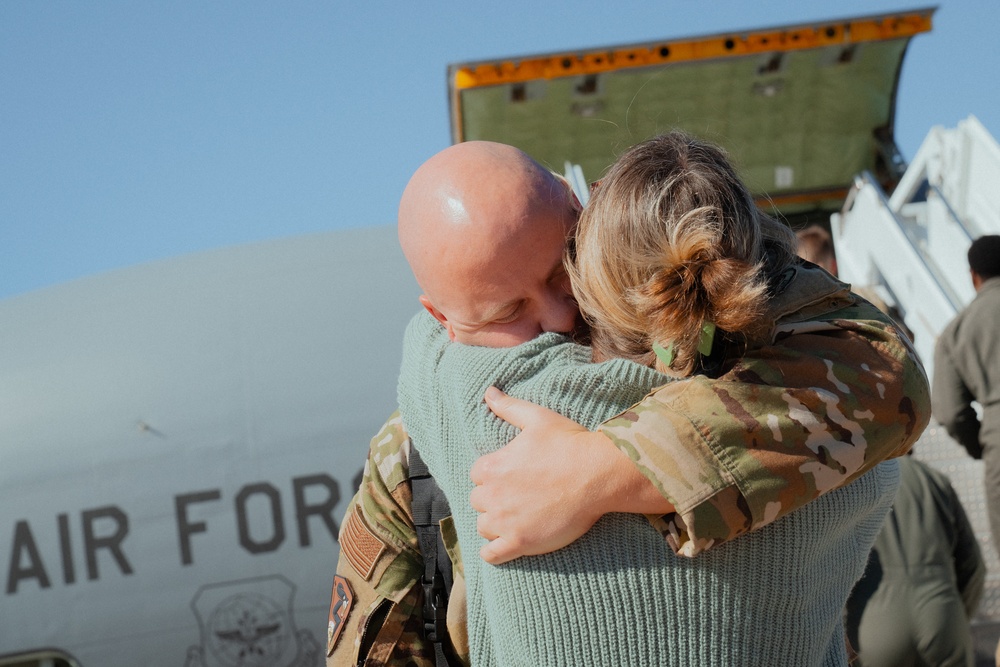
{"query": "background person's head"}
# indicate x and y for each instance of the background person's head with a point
(670, 240)
(484, 227)
(815, 245)
(984, 259)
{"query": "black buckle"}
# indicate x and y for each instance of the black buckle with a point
(435, 608)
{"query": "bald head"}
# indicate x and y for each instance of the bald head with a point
(480, 224)
(476, 193)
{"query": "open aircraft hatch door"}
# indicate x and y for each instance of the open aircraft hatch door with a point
(802, 108)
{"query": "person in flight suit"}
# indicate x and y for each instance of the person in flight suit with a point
(967, 369)
(924, 579)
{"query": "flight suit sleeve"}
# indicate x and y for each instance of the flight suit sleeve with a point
(376, 604)
(823, 403)
(970, 569)
(953, 400)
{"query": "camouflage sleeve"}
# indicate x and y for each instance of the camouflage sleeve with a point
(376, 608)
(377, 598)
(826, 401)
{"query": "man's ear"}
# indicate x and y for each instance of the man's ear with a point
(438, 315)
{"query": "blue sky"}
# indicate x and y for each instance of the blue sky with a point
(134, 131)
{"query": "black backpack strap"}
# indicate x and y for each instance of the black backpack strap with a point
(429, 507)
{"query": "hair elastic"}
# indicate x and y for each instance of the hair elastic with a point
(707, 338)
(665, 355)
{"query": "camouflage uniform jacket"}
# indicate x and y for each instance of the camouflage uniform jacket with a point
(834, 390)
(381, 565)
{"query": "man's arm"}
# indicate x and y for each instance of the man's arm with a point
(970, 569)
(952, 403)
(380, 564)
(791, 421)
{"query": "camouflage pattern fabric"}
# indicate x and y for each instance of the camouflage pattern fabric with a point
(837, 389)
(834, 390)
(383, 504)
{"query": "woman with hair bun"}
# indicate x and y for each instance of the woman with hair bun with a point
(671, 248)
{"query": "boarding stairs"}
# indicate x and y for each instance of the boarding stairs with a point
(910, 249)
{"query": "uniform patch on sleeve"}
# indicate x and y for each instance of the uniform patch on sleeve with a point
(340, 606)
(361, 546)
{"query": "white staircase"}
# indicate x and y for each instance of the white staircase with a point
(911, 247)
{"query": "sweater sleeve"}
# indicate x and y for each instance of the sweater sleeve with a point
(792, 420)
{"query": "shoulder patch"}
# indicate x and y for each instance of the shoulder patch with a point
(360, 545)
(340, 606)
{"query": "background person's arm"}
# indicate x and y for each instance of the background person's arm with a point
(970, 569)
(953, 401)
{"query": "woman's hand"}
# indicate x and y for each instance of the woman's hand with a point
(551, 483)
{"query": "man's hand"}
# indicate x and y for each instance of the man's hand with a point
(551, 483)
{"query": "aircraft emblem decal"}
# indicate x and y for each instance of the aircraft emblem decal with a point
(250, 623)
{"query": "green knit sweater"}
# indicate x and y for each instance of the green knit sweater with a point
(619, 596)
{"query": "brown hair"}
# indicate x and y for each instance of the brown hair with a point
(672, 239)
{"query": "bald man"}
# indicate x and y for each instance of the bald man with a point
(489, 263)
(483, 227)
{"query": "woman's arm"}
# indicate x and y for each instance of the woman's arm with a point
(790, 422)
(551, 483)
